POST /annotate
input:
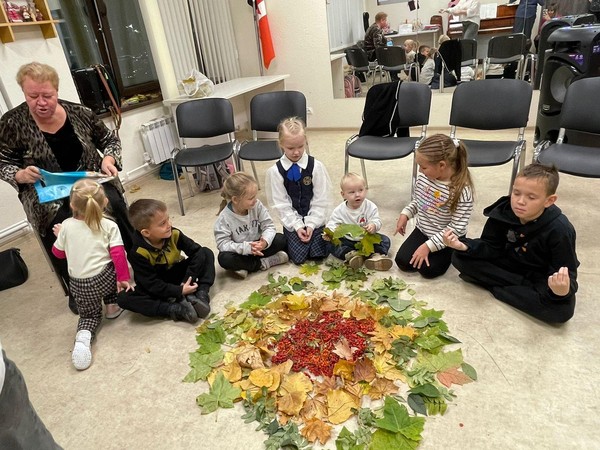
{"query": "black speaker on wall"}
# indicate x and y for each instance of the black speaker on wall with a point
(574, 54)
(550, 27)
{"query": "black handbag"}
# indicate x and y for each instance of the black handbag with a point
(13, 270)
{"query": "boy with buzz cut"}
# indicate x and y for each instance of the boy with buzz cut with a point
(167, 284)
(357, 209)
(526, 253)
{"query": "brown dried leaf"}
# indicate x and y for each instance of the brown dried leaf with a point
(382, 387)
(291, 403)
(296, 382)
(355, 389)
(343, 349)
(249, 356)
(364, 370)
(453, 376)
(316, 429)
(340, 405)
(344, 369)
(328, 384)
(314, 408)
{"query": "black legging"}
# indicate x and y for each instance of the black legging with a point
(117, 210)
(438, 261)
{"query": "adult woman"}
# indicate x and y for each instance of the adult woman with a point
(56, 135)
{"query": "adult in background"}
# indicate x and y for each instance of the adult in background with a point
(45, 132)
(468, 13)
(525, 16)
(375, 35)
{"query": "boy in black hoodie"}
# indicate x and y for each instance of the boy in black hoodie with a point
(167, 284)
(526, 253)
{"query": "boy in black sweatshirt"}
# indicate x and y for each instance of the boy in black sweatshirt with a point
(167, 284)
(526, 253)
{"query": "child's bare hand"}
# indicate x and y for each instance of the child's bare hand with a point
(256, 247)
(189, 287)
(370, 228)
(124, 286)
(56, 229)
(305, 234)
(401, 224)
(420, 256)
(451, 240)
(559, 282)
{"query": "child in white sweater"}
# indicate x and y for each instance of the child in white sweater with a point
(245, 232)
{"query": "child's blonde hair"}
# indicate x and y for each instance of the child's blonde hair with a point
(292, 126)
(351, 176)
(411, 44)
(439, 147)
(236, 185)
(88, 201)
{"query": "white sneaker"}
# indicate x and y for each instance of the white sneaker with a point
(280, 257)
(241, 274)
(82, 352)
(379, 262)
(354, 260)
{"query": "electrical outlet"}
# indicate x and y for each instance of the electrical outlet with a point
(309, 110)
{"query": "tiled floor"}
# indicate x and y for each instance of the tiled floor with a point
(537, 383)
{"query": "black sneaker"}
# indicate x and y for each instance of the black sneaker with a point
(200, 300)
(73, 305)
(183, 311)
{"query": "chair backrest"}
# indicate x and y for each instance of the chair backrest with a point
(414, 102)
(506, 48)
(491, 104)
(451, 55)
(267, 110)
(204, 118)
(391, 57)
(357, 58)
(468, 49)
(581, 108)
(366, 20)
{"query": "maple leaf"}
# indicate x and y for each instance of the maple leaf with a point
(210, 340)
(396, 419)
(295, 302)
(355, 389)
(256, 300)
(364, 370)
(220, 395)
(367, 243)
(340, 406)
(382, 387)
(399, 330)
(386, 440)
(309, 268)
(316, 429)
(249, 356)
(453, 376)
(441, 361)
(343, 349)
(381, 338)
(344, 368)
(314, 408)
(328, 383)
(202, 364)
(291, 403)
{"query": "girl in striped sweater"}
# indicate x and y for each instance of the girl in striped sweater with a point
(443, 199)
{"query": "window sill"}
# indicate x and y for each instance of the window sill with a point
(126, 107)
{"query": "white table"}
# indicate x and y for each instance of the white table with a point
(240, 91)
(424, 37)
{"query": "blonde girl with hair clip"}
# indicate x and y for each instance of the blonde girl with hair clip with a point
(298, 190)
(443, 200)
(93, 247)
(245, 233)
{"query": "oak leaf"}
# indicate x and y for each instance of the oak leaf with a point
(340, 406)
(364, 370)
(453, 376)
(316, 429)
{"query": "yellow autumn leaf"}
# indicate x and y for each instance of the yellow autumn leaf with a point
(291, 403)
(314, 408)
(273, 324)
(340, 405)
(246, 386)
(399, 330)
(249, 356)
(296, 302)
(315, 429)
(265, 378)
(355, 389)
(382, 387)
(345, 369)
(394, 374)
(232, 371)
(283, 368)
(383, 362)
(296, 382)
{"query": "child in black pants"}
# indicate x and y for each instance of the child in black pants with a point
(526, 254)
(167, 284)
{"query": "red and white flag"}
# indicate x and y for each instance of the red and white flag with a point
(266, 43)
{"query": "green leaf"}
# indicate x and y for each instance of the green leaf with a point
(366, 246)
(396, 419)
(210, 340)
(220, 395)
(309, 268)
(256, 300)
(386, 440)
(428, 390)
(469, 371)
(399, 305)
(417, 404)
(347, 440)
(202, 364)
(440, 362)
(429, 342)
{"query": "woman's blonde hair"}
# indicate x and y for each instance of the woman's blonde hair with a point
(439, 147)
(39, 73)
(87, 202)
(292, 126)
(236, 185)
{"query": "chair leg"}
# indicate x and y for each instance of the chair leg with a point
(364, 172)
(175, 175)
(346, 163)
(255, 174)
(49, 261)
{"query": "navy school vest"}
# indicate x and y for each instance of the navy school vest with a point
(301, 191)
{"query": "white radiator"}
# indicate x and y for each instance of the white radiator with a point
(160, 138)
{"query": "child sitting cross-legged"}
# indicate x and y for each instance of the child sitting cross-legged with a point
(357, 209)
(167, 284)
(245, 232)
